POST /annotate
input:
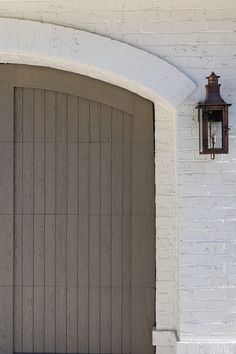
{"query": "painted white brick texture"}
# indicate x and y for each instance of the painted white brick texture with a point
(196, 36)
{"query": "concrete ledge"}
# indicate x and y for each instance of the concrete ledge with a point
(164, 338)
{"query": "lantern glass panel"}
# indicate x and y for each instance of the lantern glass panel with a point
(200, 130)
(215, 128)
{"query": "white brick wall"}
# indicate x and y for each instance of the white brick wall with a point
(197, 36)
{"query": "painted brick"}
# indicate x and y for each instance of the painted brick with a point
(197, 36)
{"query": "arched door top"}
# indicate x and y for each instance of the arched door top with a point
(93, 55)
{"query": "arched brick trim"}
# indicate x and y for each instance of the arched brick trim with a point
(36, 43)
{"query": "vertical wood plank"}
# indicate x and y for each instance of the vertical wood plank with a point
(94, 250)
(143, 233)
(94, 282)
(39, 281)
(6, 250)
(28, 271)
(73, 119)
(27, 325)
(61, 178)
(84, 120)
(105, 320)
(28, 250)
(72, 247)
(28, 178)
(61, 250)
(127, 128)
(18, 104)
(18, 319)
(142, 307)
(72, 313)
(61, 319)
(50, 319)
(61, 223)
(18, 223)
(83, 250)
(95, 178)
(95, 122)
(117, 234)
(84, 178)
(142, 198)
(39, 119)
(116, 291)
(50, 178)
(61, 279)
(127, 257)
(106, 164)
(61, 117)
(127, 249)
(143, 121)
(117, 162)
(94, 320)
(106, 122)
(83, 277)
(143, 251)
(126, 320)
(6, 186)
(72, 280)
(6, 320)
(117, 255)
(18, 175)
(39, 178)
(127, 165)
(18, 267)
(106, 254)
(38, 327)
(18, 250)
(39, 250)
(105, 284)
(116, 331)
(50, 282)
(50, 250)
(50, 116)
(117, 200)
(117, 126)
(28, 113)
(6, 104)
(73, 178)
(83, 319)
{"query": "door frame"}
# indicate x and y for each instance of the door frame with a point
(40, 44)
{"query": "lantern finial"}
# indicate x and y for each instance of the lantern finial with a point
(213, 78)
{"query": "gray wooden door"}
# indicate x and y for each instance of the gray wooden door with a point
(77, 248)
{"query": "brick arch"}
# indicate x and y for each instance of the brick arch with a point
(36, 43)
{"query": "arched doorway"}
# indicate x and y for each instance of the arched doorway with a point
(49, 45)
(82, 251)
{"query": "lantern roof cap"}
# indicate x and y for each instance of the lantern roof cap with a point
(213, 96)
